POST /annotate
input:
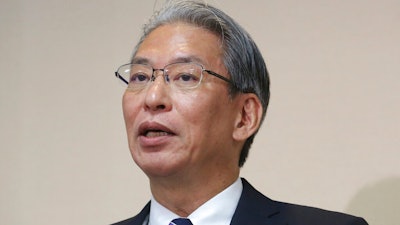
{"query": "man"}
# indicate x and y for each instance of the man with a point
(198, 90)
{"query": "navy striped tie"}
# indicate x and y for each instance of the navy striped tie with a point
(181, 221)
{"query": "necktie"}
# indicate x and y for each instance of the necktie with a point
(181, 221)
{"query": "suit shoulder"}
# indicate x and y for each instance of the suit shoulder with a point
(255, 204)
(299, 214)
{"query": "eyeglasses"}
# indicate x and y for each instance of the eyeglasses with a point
(179, 75)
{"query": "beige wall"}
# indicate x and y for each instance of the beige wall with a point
(331, 138)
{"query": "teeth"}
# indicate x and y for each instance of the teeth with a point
(156, 133)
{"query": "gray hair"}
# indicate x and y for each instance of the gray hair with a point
(241, 56)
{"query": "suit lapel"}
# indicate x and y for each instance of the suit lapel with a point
(139, 219)
(254, 208)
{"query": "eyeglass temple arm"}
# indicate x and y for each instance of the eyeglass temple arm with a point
(121, 78)
(219, 76)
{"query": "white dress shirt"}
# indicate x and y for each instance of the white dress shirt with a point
(218, 210)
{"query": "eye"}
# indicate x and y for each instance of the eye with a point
(184, 75)
(139, 78)
(186, 78)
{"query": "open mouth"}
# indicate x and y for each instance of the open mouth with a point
(154, 130)
(156, 133)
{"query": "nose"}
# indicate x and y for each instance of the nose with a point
(157, 94)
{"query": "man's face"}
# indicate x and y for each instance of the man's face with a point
(177, 132)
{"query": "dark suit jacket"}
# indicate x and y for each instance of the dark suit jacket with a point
(254, 208)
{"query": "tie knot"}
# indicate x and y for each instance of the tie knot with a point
(181, 221)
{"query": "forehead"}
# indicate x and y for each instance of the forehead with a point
(179, 41)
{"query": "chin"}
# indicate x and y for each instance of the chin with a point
(158, 166)
(160, 172)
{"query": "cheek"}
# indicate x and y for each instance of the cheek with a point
(194, 108)
(129, 109)
(201, 111)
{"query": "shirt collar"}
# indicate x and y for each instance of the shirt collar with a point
(218, 210)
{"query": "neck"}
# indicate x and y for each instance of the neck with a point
(183, 195)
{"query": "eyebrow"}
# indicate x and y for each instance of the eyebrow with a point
(184, 59)
(140, 60)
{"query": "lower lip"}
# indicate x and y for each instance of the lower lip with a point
(154, 141)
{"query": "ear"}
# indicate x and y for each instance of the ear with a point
(249, 117)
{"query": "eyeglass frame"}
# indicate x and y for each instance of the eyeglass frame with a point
(152, 78)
